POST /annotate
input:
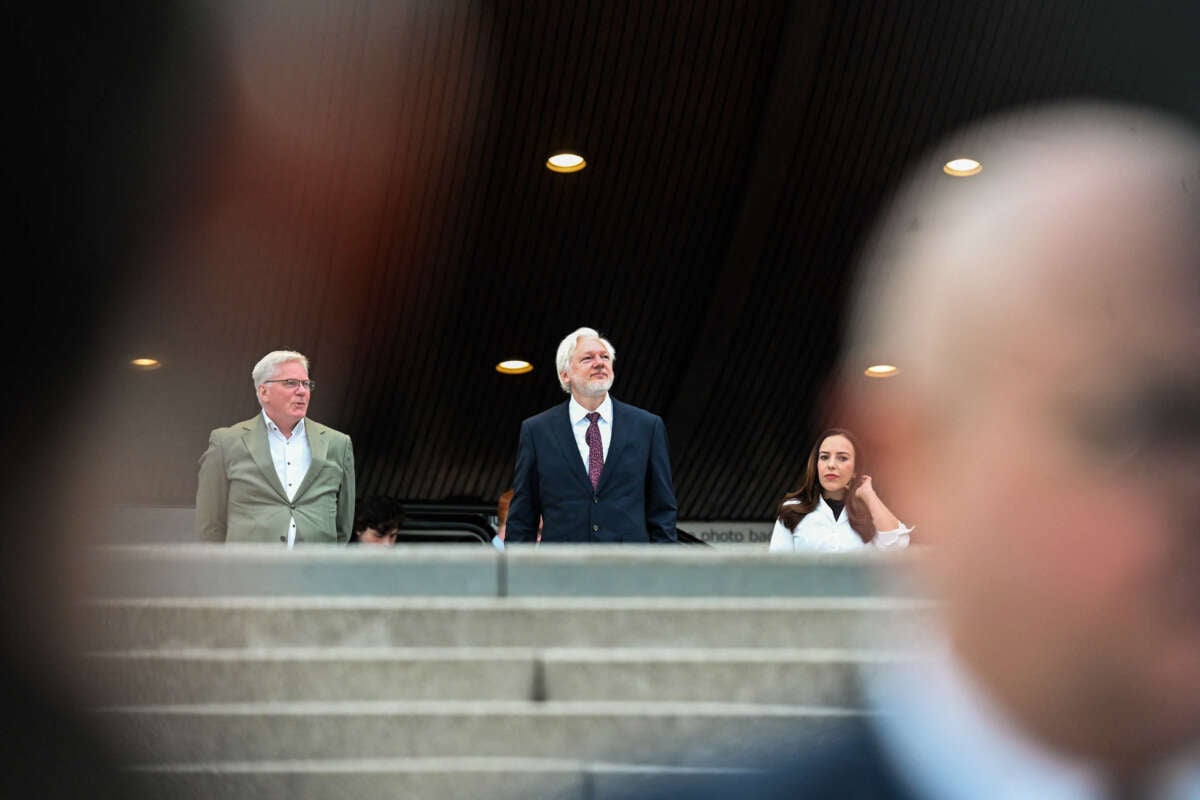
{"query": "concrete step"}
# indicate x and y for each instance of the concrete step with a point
(731, 675)
(497, 778)
(242, 671)
(672, 734)
(206, 570)
(260, 622)
(787, 676)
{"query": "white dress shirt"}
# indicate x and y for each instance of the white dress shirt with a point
(292, 457)
(819, 531)
(579, 425)
(950, 741)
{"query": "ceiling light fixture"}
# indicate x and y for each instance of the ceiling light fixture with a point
(962, 167)
(514, 366)
(145, 364)
(565, 162)
(881, 371)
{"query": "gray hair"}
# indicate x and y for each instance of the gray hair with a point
(566, 351)
(266, 367)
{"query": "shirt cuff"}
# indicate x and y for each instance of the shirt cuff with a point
(894, 539)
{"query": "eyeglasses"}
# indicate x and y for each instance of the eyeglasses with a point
(292, 384)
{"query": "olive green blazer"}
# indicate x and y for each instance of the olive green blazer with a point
(240, 499)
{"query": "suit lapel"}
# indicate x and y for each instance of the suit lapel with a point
(255, 438)
(564, 436)
(616, 442)
(318, 444)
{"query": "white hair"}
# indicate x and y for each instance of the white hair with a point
(266, 367)
(566, 351)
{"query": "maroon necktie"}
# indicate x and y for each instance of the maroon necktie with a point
(595, 448)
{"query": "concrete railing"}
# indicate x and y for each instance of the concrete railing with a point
(205, 570)
(463, 672)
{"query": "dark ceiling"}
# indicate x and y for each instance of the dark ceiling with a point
(363, 181)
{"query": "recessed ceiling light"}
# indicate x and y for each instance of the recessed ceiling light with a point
(962, 167)
(565, 162)
(145, 364)
(881, 371)
(514, 366)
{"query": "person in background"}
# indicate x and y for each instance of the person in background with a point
(835, 507)
(277, 477)
(377, 521)
(502, 505)
(593, 469)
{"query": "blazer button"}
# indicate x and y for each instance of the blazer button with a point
(595, 527)
(595, 499)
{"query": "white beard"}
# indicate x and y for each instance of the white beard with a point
(594, 388)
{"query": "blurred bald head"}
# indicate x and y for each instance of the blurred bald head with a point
(1077, 201)
(1045, 316)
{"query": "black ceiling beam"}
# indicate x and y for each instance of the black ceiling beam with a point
(792, 81)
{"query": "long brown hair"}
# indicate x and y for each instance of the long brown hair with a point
(809, 491)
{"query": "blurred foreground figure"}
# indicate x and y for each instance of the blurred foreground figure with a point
(104, 162)
(1044, 427)
(1046, 315)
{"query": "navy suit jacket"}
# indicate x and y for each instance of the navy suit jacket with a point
(846, 764)
(633, 502)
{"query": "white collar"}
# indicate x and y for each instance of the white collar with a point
(298, 430)
(952, 741)
(577, 412)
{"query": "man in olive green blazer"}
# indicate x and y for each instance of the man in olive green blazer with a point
(277, 477)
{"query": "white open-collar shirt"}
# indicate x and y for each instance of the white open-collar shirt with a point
(820, 531)
(292, 457)
(579, 426)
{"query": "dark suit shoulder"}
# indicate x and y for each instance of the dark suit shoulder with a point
(559, 412)
(847, 764)
(552, 413)
(633, 412)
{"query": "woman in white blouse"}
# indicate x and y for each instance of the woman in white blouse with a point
(836, 508)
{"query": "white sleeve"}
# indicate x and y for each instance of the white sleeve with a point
(894, 539)
(781, 539)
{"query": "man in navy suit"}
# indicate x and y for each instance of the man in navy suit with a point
(593, 468)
